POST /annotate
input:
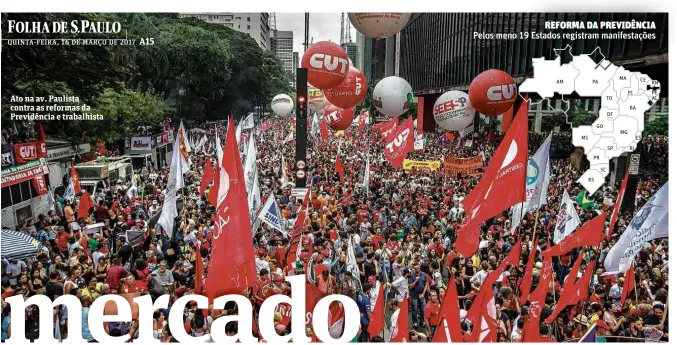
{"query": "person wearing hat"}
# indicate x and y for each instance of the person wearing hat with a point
(580, 325)
(261, 262)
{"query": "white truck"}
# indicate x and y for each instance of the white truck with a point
(103, 172)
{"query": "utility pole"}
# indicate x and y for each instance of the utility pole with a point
(306, 33)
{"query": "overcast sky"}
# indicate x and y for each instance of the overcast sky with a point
(322, 27)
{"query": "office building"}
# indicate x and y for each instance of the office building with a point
(351, 50)
(365, 55)
(282, 44)
(297, 63)
(256, 25)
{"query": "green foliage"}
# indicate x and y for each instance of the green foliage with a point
(191, 70)
(659, 126)
(136, 109)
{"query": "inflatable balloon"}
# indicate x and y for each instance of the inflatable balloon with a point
(337, 118)
(453, 111)
(350, 92)
(316, 99)
(492, 92)
(282, 104)
(392, 96)
(379, 24)
(327, 64)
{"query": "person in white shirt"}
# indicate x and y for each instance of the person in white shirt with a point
(261, 262)
(479, 277)
(401, 285)
(373, 292)
(395, 308)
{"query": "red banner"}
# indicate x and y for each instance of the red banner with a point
(39, 184)
(27, 152)
(399, 143)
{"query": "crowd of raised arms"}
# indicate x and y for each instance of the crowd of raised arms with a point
(402, 230)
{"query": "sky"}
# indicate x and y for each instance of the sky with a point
(322, 27)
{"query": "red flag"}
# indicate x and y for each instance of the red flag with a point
(386, 128)
(628, 284)
(40, 131)
(401, 334)
(232, 234)
(590, 234)
(86, 203)
(449, 312)
(207, 177)
(323, 129)
(573, 273)
(362, 122)
(399, 143)
(212, 198)
(531, 325)
(298, 230)
(617, 205)
(499, 187)
(377, 322)
(339, 167)
(527, 279)
(573, 293)
(76, 180)
(199, 270)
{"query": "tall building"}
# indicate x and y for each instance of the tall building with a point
(296, 63)
(365, 55)
(351, 50)
(282, 44)
(256, 25)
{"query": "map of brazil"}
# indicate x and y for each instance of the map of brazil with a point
(625, 97)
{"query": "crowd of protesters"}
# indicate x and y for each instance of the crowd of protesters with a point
(402, 228)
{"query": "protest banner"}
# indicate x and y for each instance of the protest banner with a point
(466, 166)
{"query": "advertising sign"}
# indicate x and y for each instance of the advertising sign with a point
(141, 143)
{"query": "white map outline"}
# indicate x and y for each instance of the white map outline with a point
(625, 97)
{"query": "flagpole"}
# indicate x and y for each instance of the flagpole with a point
(636, 298)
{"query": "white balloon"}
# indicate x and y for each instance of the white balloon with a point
(453, 111)
(379, 24)
(282, 104)
(392, 96)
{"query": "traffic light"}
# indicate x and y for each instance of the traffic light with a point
(301, 93)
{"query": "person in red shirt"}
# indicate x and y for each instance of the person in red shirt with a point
(431, 314)
(62, 241)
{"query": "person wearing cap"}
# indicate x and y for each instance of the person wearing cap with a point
(401, 285)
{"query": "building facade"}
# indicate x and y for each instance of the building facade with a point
(351, 50)
(365, 55)
(256, 25)
(296, 63)
(282, 44)
(439, 52)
